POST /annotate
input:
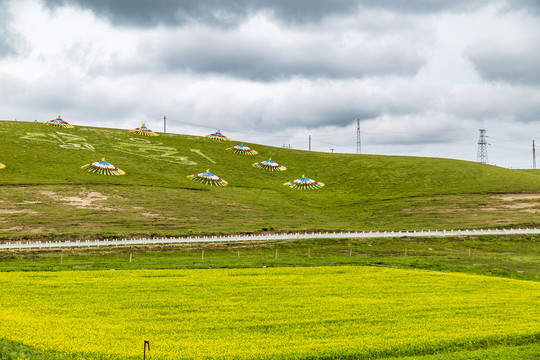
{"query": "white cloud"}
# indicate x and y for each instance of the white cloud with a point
(495, 101)
(509, 57)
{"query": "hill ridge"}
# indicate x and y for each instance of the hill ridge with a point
(361, 191)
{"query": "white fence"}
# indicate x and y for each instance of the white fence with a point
(233, 238)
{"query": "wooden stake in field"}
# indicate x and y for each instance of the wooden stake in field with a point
(202, 255)
(239, 254)
(61, 259)
(146, 342)
(469, 251)
(350, 252)
(276, 253)
(309, 252)
(130, 257)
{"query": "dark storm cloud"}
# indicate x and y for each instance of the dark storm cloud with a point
(230, 12)
(531, 6)
(424, 6)
(269, 60)
(512, 59)
(262, 50)
(174, 12)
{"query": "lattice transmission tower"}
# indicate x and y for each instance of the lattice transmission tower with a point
(482, 156)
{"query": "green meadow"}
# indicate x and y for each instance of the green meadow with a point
(45, 195)
(516, 256)
(469, 297)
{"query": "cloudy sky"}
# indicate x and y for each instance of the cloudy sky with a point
(422, 76)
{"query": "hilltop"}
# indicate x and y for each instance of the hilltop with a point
(44, 192)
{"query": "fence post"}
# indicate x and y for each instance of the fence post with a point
(146, 342)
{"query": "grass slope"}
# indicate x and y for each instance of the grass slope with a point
(43, 191)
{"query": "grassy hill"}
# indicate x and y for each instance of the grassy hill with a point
(44, 192)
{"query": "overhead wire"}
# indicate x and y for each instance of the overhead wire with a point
(495, 141)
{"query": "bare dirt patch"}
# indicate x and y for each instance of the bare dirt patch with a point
(15, 228)
(487, 209)
(519, 205)
(444, 211)
(21, 229)
(149, 214)
(84, 201)
(39, 230)
(513, 197)
(520, 202)
(18, 211)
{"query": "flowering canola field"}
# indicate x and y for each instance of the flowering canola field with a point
(270, 313)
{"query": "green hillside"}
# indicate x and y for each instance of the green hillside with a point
(44, 192)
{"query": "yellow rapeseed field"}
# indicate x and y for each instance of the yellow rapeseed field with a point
(267, 313)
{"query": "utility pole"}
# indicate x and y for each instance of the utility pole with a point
(309, 142)
(534, 156)
(482, 156)
(164, 124)
(358, 140)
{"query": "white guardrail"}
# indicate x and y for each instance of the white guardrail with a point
(261, 237)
